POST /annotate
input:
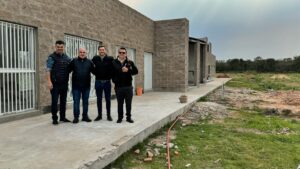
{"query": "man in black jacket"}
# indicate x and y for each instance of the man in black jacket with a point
(122, 77)
(81, 84)
(57, 79)
(103, 73)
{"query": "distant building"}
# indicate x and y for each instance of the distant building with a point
(202, 63)
(167, 58)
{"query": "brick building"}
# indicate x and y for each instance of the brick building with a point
(167, 58)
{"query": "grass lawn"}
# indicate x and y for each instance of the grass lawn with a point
(245, 139)
(265, 81)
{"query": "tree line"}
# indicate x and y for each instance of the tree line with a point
(260, 65)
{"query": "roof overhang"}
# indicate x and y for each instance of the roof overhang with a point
(200, 40)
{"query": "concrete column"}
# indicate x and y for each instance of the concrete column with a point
(205, 64)
(170, 65)
(203, 56)
(197, 64)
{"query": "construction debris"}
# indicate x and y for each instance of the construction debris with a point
(137, 151)
(204, 110)
(149, 154)
(147, 159)
(188, 165)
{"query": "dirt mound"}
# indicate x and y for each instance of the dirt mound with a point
(283, 102)
(280, 76)
(222, 75)
(204, 110)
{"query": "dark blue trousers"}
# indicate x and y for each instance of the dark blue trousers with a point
(101, 86)
(84, 93)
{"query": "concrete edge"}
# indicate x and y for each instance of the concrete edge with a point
(19, 116)
(131, 141)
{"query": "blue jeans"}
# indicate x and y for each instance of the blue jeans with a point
(101, 86)
(77, 93)
(56, 92)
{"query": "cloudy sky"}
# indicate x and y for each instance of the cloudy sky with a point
(236, 28)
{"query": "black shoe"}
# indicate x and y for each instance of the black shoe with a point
(75, 120)
(98, 118)
(109, 118)
(119, 120)
(55, 122)
(65, 120)
(86, 119)
(129, 120)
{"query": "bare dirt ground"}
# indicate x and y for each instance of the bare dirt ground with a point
(279, 102)
(280, 76)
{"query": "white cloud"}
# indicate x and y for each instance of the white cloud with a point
(132, 3)
(247, 28)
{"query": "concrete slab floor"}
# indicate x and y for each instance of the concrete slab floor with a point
(34, 143)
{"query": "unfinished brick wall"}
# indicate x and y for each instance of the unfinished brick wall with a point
(170, 64)
(108, 21)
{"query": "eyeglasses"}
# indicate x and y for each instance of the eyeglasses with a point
(122, 52)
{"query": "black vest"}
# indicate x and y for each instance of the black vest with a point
(60, 69)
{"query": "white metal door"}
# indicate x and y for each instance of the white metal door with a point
(147, 71)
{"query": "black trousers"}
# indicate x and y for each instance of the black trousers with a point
(124, 94)
(59, 91)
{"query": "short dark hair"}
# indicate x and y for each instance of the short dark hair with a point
(59, 42)
(123, 48)
(101, 46)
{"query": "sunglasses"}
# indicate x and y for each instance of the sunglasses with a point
(122, 52)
